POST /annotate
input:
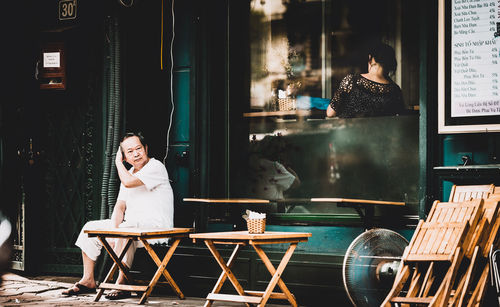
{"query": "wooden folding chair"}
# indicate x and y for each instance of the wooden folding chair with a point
(434, 255)
(475, 253)
(460, 193)
(458, 212)
(488, 238)
(496, 192)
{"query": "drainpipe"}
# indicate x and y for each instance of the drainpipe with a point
(113, 184)
(109, 187)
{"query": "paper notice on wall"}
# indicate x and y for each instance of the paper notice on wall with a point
(475, 58)
(51, 59)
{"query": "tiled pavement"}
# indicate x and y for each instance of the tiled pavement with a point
(46, 291)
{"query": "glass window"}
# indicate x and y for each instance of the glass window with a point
(300, 51)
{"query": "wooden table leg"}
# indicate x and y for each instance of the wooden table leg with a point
(223, 276)
(118, 259)
(117, 263)
(108, 277)
(276, 274)
(226, 270)
(161, 270)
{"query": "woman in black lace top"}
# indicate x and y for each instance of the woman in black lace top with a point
(372, 93)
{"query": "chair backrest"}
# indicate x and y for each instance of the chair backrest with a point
(446, 228)
(461, 193)
(435, 241)
(486, 228)
(492, 208)
(496, 192)
(454, 211)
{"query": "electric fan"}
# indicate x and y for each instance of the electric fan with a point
(370, 265)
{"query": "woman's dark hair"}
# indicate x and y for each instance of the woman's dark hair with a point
(138, 135)
(385, 56)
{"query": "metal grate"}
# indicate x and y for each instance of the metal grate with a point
(69, 180)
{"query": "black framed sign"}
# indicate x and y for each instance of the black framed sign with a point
(469, 66)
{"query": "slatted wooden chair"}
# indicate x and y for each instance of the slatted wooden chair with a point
(434, 255)
(496, 191)
(460, 193)
(476, 254)
(480, 273)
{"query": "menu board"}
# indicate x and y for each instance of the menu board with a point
(475, 58)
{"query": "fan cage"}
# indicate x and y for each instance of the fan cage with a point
(364, 256)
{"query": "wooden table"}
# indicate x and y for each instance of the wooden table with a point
(290, 200)
(368, 205)
(139, 234)
(358, 204)
(228, 200)
(240, 239)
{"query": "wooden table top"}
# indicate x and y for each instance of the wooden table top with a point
(357, 201)
(244, 235)
(228, 200)
(294, 200)
(138, 232)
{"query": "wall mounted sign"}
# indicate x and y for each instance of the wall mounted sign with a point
(51, 59)
(67, 9)
(469, 66)
(52, 66)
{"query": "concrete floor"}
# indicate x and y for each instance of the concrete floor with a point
(46, 291)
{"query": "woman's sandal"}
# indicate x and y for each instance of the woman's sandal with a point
(117, 295)
(78, 289)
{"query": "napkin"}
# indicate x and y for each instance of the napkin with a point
(251, 215)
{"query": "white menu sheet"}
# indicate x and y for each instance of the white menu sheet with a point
(475, 58)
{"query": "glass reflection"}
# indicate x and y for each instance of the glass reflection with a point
(286, 46)
(300, 53)
(270, 172)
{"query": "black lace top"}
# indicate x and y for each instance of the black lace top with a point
(358, 96)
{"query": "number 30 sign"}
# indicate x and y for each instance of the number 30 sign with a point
(67, 9)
